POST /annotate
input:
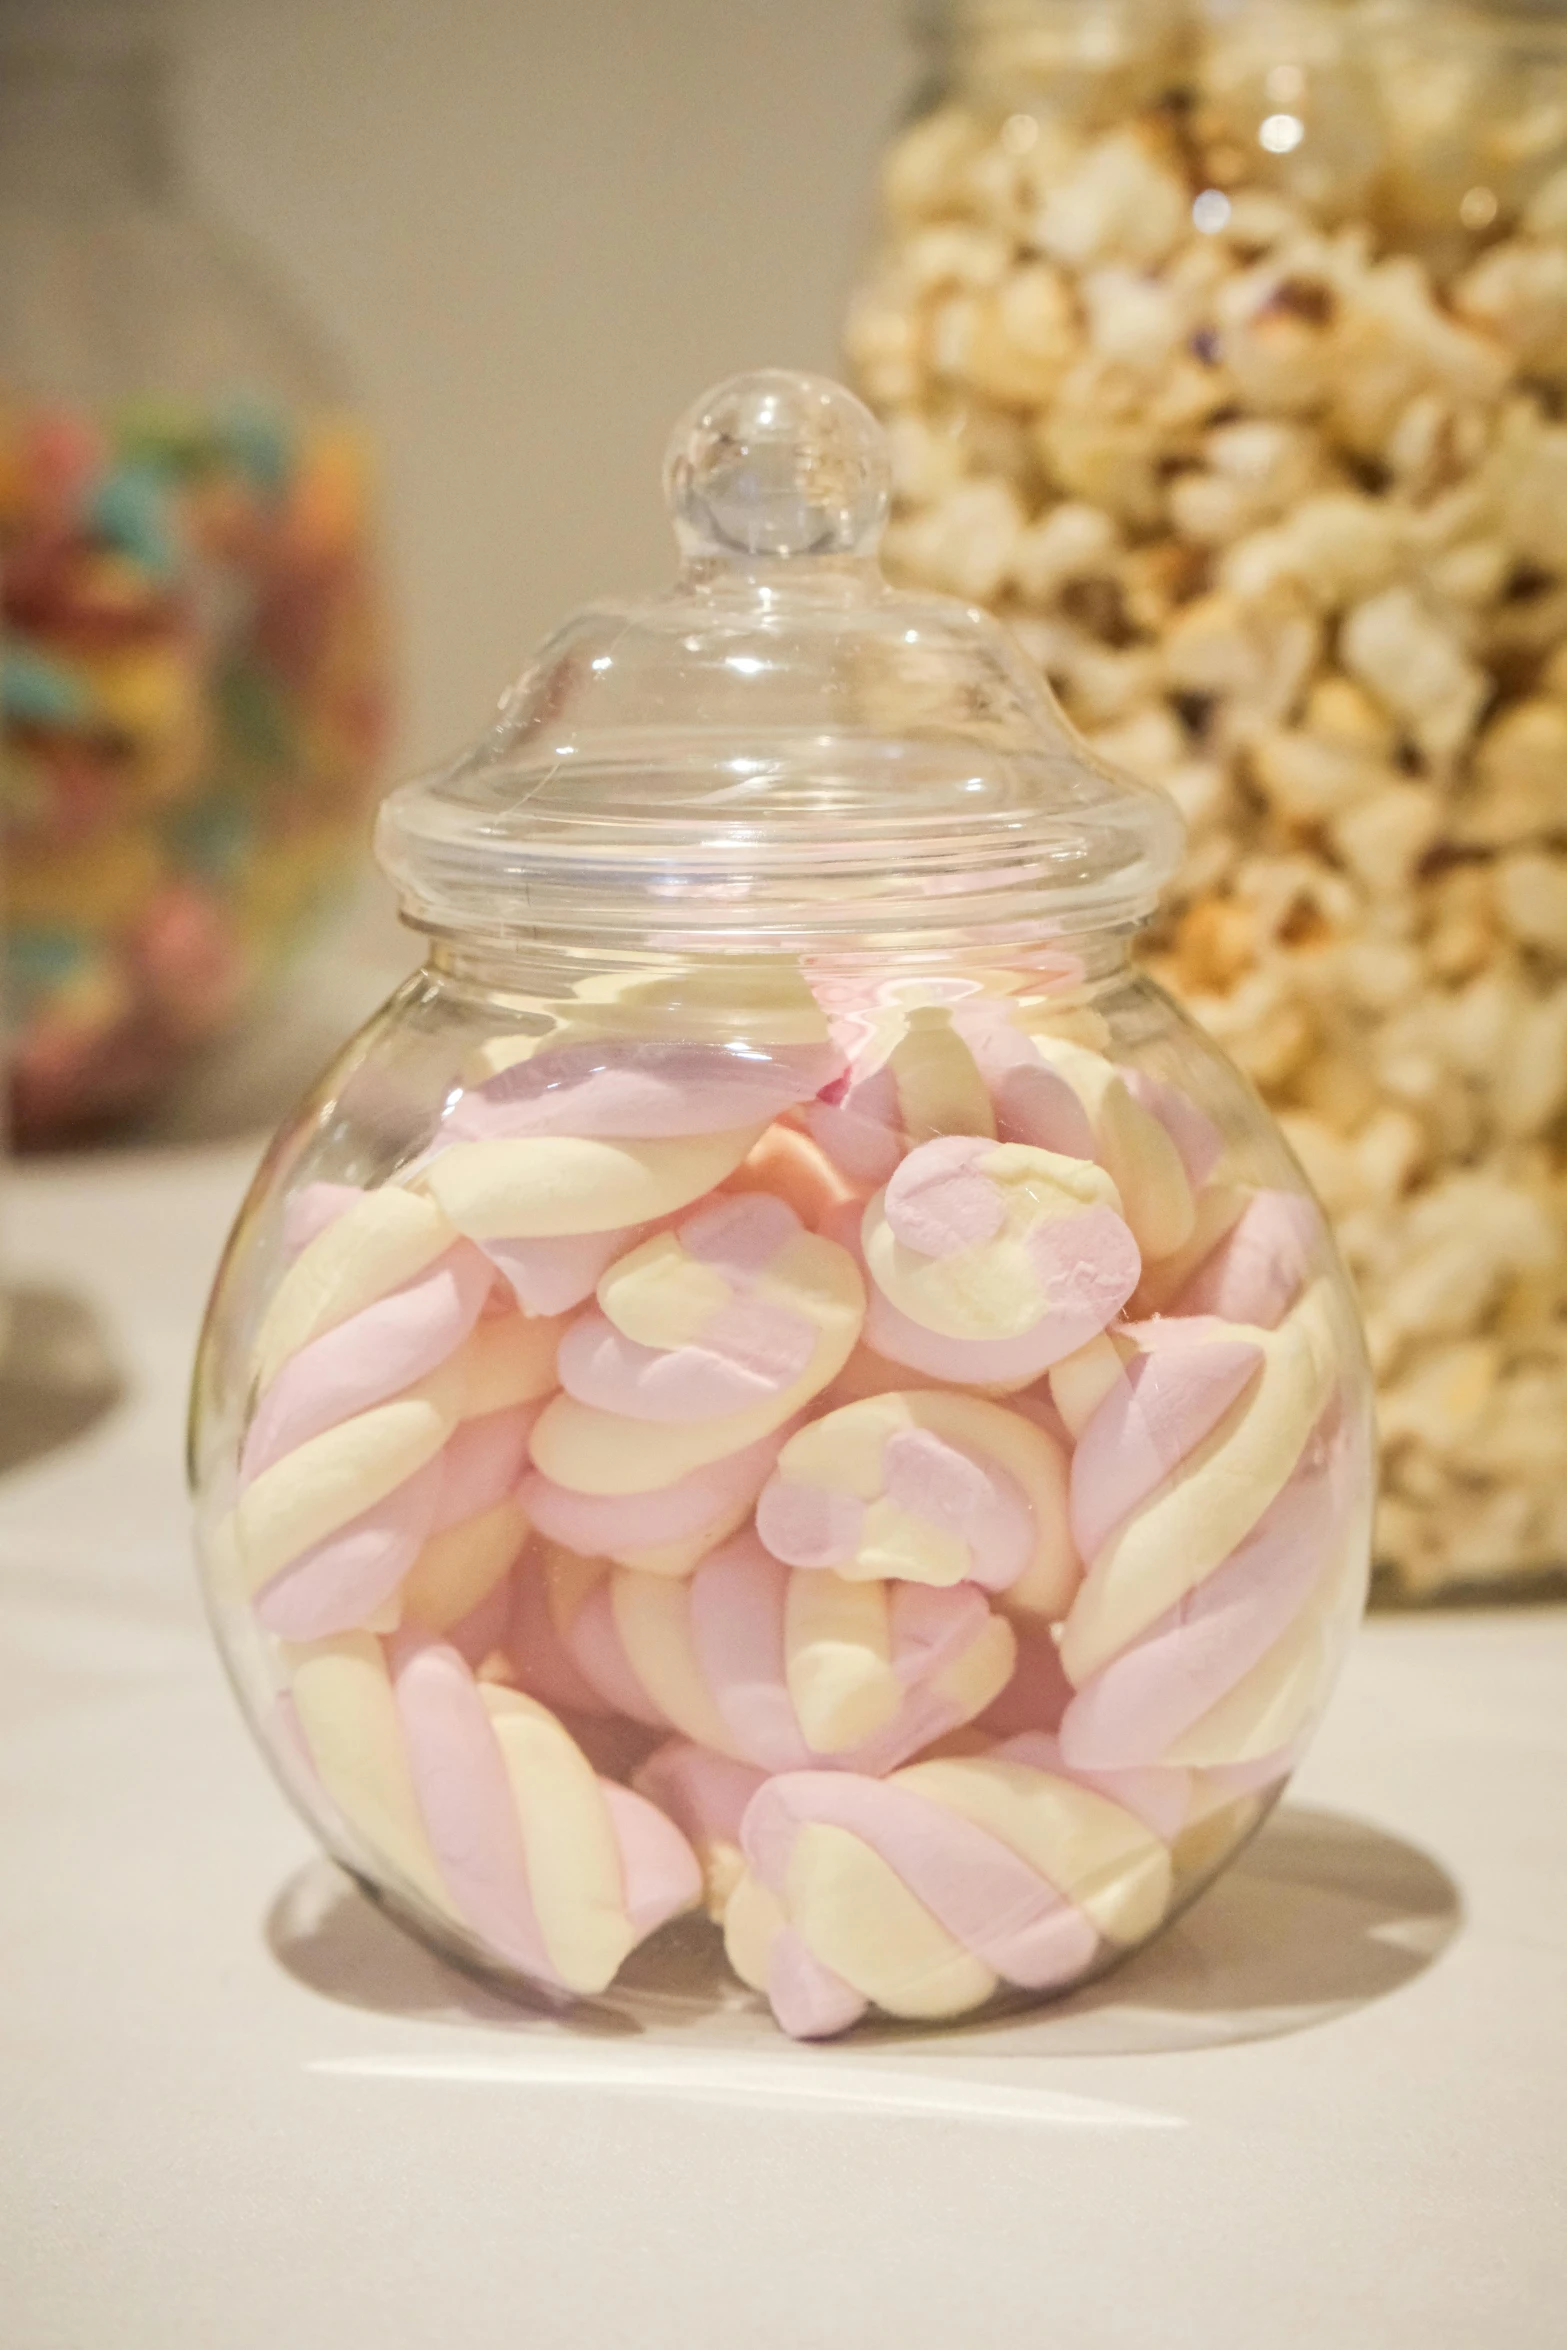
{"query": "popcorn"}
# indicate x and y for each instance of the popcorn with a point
(967, 544)
(1383, 838)
(1252, 657)
(1519, 292)
(1254, 471)
(1338, 548)
(1015, 343)
(1530, 1082)
(1101, 444)
(1071, 542)
(1395, 646)
(1132, 320)
(1307, 779)
(1520, 764)
(1393, 343)
(1120, 203)
(1531, 893)
(1277, 498)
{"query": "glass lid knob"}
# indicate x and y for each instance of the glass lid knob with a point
(774, 465)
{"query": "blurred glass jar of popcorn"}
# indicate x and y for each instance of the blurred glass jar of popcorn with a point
(191, 655)
(1224, 351)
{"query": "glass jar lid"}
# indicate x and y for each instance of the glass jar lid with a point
(781, 751)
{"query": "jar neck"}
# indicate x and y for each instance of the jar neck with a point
(522, 973)
(84, 125)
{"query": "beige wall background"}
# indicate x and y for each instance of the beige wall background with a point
(538, 228)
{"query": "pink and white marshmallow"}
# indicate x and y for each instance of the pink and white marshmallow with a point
(780, 1670)
(708, 1338)
(1204, 1507)
(990, 1261)
(927, 1893)
(480, 1803)
(640, 1089)
(927, 1486)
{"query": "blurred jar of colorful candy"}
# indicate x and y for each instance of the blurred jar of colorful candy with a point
(192, 695)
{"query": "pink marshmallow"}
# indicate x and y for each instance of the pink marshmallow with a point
(549, 1277)
(659, 1872)
(986, 1895)
(1193, 1132)
(749, 1350)
(807, 1998)
(940, 1200)
(342, 1580)
(604, 1525)
(1035, 1104)
(946, 1485)
(1256, 1272)
(311, 1209)
(369, 1358)
(705, 1794)
(482, 1463)
(1161, 1408)
(1038, 1694)
(641, 1091)
(1141, 1702)
(737, 1601)
(466, 1800)
(857, 1124)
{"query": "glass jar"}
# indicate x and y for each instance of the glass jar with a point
(1223, 352)
(779, 1376)
(191, 665)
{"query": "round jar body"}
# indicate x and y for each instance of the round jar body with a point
(1223, 354)
(193, 703)
(866, 1458)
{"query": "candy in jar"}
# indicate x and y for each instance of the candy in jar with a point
(780, 1390)
(193, 666)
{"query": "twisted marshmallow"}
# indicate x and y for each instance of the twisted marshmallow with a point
(718, 1316)
(636, 1089)
(930, 1487)
(1247, 1258)
(710, 1338)
(1064, 1098)
(706, 1795)
(1207, 1507)
(780, 1670)
(992, 1261)
(481, 1802)
(356, 1455)
(666, 1530)
(564, 1187)
(924, 1893)
(911, 1079)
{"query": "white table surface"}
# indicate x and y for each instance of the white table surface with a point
(239, 2111)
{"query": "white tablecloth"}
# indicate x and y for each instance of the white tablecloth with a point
(241, 2112)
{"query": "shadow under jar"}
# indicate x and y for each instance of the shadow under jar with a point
(779, 1375)
(1223, 352)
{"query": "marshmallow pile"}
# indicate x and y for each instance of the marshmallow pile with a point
(877, 1477)
(1229, 367)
